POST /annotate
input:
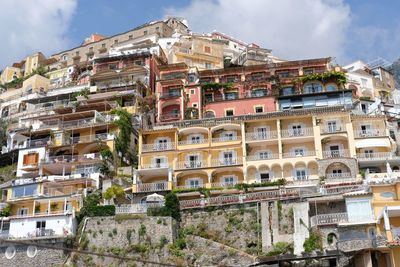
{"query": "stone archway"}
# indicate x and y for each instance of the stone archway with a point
(350, 163)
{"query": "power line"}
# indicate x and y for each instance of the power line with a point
(85, 252)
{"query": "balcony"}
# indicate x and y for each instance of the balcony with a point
(192, 142)
(369, 133)
(170, 116)
(136, 208)
(339, 177)
(152, 187)
(78, 123)
(298, 154)
(262, 157)
(170, 95)
(191, 164)
(331, 154)
(332, 129)
(226, 162)
(246, 95)
(303, 181)
(328, 219)
(224, 184)
(155, 165)
(297, 132)
(64, 159)
(39, 142)
(89, 138)
(381, 156)
(158, 147)
(261, 136)
(226, 139)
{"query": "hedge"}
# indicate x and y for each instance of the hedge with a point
(107, 210)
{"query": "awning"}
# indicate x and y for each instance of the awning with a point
(373, 142)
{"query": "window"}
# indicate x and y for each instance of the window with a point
(65, 57)
(312, 88)
(113, 66)
(364, 108)
(162, 144)
(115, 41)
(392, 135)
(331, 88)
(232, 79)
(103, 45)
(229, 112)
(228, 158)
(258, 92)
(31, 159)
(207, 49)
(192, 91)
(193, 161)
(297, 130)
(159, 162)
(192, 77)
(194, 183)
(259, 109)
(365, 129)
(195, 139)
(229, 180)
(231, 95)
(299, 152)
(301, 174)
(22, 212)
(261, 132)
(138, 63)
(368, 153)
(209, 114)
(364, 82)
(264, 155)
(334, 151)
(145, 32)
(77, 53)
(308, 71)
(194, 105)
(157, 28)
(174, 92)
(228, 136)
(332, 126)
(287, 91)
(264, 177)
(208, 65)
(130, 37)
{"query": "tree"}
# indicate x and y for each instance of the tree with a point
(115, 191)
(3, 132)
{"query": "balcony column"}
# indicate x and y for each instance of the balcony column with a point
(317, 138)
(244, 175)
(135, 177)
(48, 207)
(258, 177)
(34, 206)
(170, 176)
(386, 220)
(209, 178)
(244, 152)
(65, 205)
(158, 107)
(278, 128)
(351, 142)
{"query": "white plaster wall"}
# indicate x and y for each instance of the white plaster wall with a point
(21, 153)
(23, 226)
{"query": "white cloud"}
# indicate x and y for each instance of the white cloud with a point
(293, 29)
(30, 26)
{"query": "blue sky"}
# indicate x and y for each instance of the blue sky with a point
(294, 29)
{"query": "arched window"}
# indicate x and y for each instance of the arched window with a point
(313, 87)
(209, 114)
(331, 87)
(331, 238)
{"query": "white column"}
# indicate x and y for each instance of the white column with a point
(33, 209)
(135, 177)
(170, 175)
(65, 204)
(386, 219)
(48, 207)
(209, 178)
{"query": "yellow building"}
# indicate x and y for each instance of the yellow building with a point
(198, 51)
(9, 74)
(300, 146)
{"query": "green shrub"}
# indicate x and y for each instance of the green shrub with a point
(163, 241)
(313, 242)
(129, 235)
(171, 208)
(142, 230)
(280, 248)
(115, 231)
(138, 248)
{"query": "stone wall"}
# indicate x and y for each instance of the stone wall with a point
(38, 256)
(235, 226)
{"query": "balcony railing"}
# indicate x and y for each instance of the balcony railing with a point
(78, 123)
(191, 164)
(152, 187)
(338, 175)
(71, 158)
(303, 180)
(155, 165)
(246, 95)
(89, 138)
(376, 156)
(170, 95)
(298, 154)
(226, 162)
(328, 219)
(192, 142)
(170, 116)
(39, 142)
(261, 136)
(262, 157)
(329, 154)
(158, 146)
(224, 184)
(136, 208)
(297, 133)
(226, 138)
(329, 129)
(369, 133)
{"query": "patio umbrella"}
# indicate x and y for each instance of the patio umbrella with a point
(154, 198)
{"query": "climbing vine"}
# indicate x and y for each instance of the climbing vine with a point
(338, 76)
